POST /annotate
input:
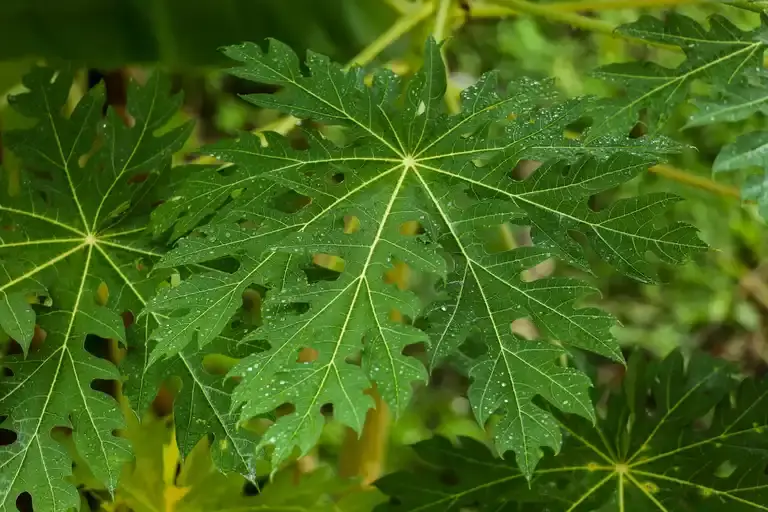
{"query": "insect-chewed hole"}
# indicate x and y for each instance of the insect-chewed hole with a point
(6, 372)
(254, 488)
(411, 228)
(524, 168)
(355, 358)
(338, 177)
(414, 349)
(291, 201)
(7, 437)
(400, 275)
(218, 364)
(449, 477)
(351, 224)
(139, 177)
(24, 502)
(327, 410)
(107, 386)
(285, 409)
(307, 355)
(162, 405)
(524, 327)
(539, 271)
(329, 262)
(725, 469)
(473, 347)
(128, 318)
(102, 294)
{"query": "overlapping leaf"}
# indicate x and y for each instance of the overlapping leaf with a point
(403, 161)
(69, 235)
(725, 58)
(658, 448)
(719, 55)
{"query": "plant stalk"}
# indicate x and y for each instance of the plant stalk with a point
(693, 180)
(399, 28)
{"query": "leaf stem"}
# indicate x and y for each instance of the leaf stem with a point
(493, 9)
(550, 13)
(556, 13)
(693, 180)
(399, 28)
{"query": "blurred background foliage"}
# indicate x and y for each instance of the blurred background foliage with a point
(718, 303)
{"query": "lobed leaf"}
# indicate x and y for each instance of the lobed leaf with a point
(69, 235)
(658, 447)
(403, 161)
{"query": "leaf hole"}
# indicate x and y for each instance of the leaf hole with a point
(725, 469)
(254, 488)
(411, 228)
(285, 409)
(414, 349)
(329, 262)
(128, 318)
(291, 202)
(107, 386)
(24, 502)
(400, 275)
(218, 364)
(106, 349)
(473, 347)
(102, 294)
(524, 169)
(162, 405)
(351, 224)
(354, 358)
(307, 355)
(6, 372)
(327, 410)
(449, 477)
(524, 328)
(7, 437)
(137, 178)
(338, 177)
(539, 271)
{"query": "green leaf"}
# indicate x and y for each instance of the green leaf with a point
(732, 103)
(680, 435)
(65, 251)
(201, 405)
(283, 212)
(718, 55)
(749, 150)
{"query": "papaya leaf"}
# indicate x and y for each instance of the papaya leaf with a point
(680, 435)
(345, 204)
(71, 229)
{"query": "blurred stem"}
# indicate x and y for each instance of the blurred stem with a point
(440, 34)
(363, 456)
(401, 6)
(693, 180)
(493, 9)
(556, 13)
(399, 28)
(440, 20)
(611, 5)
(548, 12)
